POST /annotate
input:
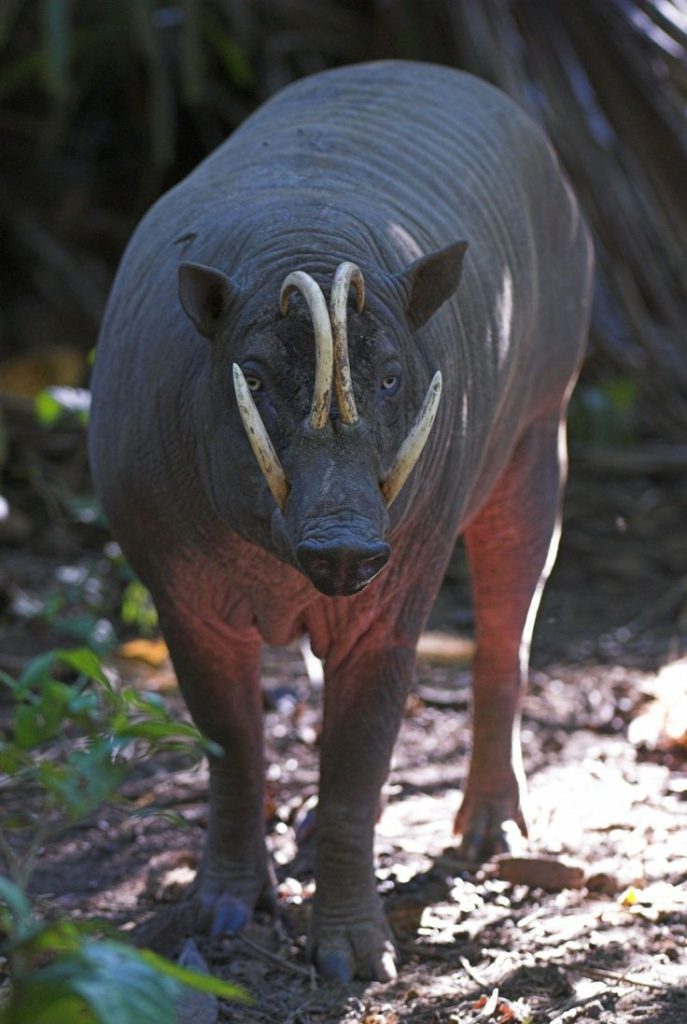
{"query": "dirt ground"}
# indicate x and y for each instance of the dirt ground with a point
(607, 768)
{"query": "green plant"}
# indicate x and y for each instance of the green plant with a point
(138, 608)
(604, 414)
(55, 403)
(68, 748)
(60, 973)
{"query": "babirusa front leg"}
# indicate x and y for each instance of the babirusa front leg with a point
(363, 709)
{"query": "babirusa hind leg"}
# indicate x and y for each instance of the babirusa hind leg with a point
(511, 546)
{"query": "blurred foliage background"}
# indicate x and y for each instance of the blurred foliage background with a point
(106, 103)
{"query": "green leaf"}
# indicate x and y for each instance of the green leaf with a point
(149, 699)
(47, 409)
(236, 64)
(117, 983)
(105, 982)
(30, 728)
(195, 979)
(11, 760)
(88, 779)
(138, 608)
(8, 681)
(156, 730)
(48, 1004)
(62, 936)
(84, 661)
(19, 906)
(37, 671)
(43, 717)
(53, 403)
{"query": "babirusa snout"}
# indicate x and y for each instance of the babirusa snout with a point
(312, 293)
(409, 452)
(346, 274)
(259, 439)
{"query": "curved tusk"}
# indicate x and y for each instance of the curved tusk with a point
(259, 439)
(324, 359)
(409, 452)
(346, 274)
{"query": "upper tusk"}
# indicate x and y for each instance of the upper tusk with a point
(409, 452)
(259, 439)
(324, 357)
(346, 274)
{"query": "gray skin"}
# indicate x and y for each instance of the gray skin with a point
(392, 166)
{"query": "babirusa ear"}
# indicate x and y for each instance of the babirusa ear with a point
(206, 295)
(431, 280)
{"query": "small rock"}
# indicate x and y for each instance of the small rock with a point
(604, 882)
(550, 873)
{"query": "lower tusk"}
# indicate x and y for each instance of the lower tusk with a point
(409, 452)
(259, 439)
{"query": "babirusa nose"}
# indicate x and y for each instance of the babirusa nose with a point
(341, 569)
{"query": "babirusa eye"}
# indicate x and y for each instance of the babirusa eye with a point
(390, 383)
(254, 383)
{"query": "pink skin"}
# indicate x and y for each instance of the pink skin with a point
(511, 546)
(367, 643)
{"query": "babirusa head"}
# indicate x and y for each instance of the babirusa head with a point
(332, 373)
(333, 445)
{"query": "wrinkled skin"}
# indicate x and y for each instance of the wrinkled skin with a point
(432, 158)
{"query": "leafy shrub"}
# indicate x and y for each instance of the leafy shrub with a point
(69, 746)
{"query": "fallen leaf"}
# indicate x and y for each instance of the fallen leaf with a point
(550, 873)
(629, 897)
(152, 652)
(488, 1004)
(445, 649)
(658, 901)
